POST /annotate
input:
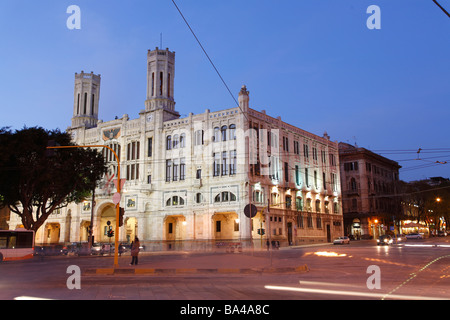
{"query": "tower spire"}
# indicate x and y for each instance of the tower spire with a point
(160, 80)
(86, 99)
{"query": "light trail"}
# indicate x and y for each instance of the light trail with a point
(351, 293)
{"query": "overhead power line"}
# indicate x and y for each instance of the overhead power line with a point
(445, 11)
(212, 63)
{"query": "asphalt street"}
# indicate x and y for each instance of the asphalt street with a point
(415, 270)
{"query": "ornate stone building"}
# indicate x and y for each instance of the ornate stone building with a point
(189, 179)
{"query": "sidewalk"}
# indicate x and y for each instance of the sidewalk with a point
(165, 263)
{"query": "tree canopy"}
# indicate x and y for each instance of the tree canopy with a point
(34, 181)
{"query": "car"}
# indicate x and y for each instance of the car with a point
(342, 240)
(100, 249)
(442, 233)
(414, 236)
(384, 240)
(401, 237)
(50, 250)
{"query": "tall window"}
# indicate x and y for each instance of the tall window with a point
(224, 163)
(153, 84)
(216, 134)
(182, 168)
(169, 143)
(232, 129)
(132, 157)
(223, 133)
(175, 141)
(233, 162)
(182, 140)
(199, 137)
(150, 147)
(175, 170)
(85, 103)
(317, 205)
(307, 177)
(299, 203)
(78, 104)
(168, 84)
(161, 81)
(168, 170)
(286, 172)
(216, 168)
(92, 104)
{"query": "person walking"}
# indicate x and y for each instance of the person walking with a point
(135, 251)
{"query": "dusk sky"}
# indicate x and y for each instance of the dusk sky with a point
(315, 63)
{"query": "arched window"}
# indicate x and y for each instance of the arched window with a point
(223, 132)
(175, 141)
(175, 201)
(182, 140)
(198, 198)
(232, 130)
(317, 205)
(169, 143)
(225, 196)
(299, 203)
(216, 137)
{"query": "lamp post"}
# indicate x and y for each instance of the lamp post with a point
(116, 233)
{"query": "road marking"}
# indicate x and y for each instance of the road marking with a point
(413, 275)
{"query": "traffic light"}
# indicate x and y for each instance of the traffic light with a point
(121, 213)
(262, 231)
(110, 233)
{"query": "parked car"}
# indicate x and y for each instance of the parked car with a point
(342, 240)
(384, 240)
(401, 237)
(100, 249)
(50, 250)
(414, 236)
(442, 233)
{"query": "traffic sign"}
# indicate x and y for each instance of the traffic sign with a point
(250, 211)
(116, 198)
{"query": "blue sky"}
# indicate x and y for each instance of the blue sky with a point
(312, 62)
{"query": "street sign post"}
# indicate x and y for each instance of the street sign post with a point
(250, 210)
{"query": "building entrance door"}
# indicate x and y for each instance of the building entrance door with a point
(328, 233)
(289, 232)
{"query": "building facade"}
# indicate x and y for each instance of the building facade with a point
(369, 189)
(189, 179)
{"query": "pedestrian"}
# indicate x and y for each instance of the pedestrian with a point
(135, 251)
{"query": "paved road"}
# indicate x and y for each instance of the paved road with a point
(420, 270)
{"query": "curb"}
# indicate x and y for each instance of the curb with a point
(157, 271)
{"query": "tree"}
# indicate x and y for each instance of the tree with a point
(427, 202)
(36, 181)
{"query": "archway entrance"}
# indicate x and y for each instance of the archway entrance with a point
(226, 226)
(107, 213)
(174, 227)
(52, 233)
(84, 230)
(131, 229)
